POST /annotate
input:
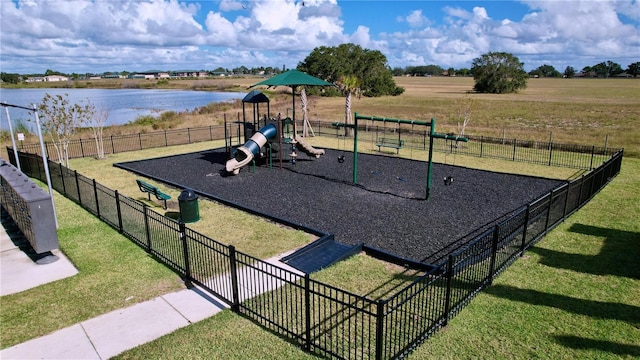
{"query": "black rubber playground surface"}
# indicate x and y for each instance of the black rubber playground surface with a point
(383, 211)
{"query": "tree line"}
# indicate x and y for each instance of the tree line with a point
(605, 69)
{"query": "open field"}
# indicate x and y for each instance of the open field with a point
(580, 111)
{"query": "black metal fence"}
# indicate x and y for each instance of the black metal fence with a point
(535, 152)
(321, 318)
(113, 144)
(543, 153)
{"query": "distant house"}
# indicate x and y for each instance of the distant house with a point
(151, 74)
(52, 78)
(113, 76)
(190, 73)
(142, 76)
(56, 78)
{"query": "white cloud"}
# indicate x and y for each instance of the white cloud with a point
(233, 5)
(220, 31)
(552, 29)
(416, 20)
(630, 9)
(457, 13)
(88, 35)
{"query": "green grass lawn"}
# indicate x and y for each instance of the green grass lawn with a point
(113, 273)
(574, 295)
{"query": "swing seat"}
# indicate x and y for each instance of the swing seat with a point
(390, 143)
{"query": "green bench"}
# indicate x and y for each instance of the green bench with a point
(390, 143)
(150, 189)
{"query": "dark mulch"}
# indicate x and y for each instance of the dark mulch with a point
(383, 211)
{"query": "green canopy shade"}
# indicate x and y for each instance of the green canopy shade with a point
(293, 78)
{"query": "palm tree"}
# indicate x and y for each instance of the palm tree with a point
(349, 85)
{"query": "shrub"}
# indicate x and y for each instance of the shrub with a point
(144, 120)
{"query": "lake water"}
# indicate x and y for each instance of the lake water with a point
(123, 105)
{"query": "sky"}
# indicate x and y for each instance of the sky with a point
(95, 36)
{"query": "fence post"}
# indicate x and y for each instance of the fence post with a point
(580, 192)
(550, 152)
(494, 251)
(113, 148)
(424, 140)
(41, 169)
(95, 194)
(210, 133)
(566, 202)
(379, 328)
(81, 148)
(145, 211)
(307, 313)
(75, 172)
(140, 140)
(447, 298)
(481, 144)
(235, 302)
(546, 221)
(515, 141)
(64, 186)
(185, 252)
(165, 139)
(593, 149)
(524, 229)
(120, 228)
(189, 135)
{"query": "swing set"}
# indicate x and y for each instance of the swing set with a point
(398, 142)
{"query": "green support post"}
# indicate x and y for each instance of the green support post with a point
(355, 149)
(430, 166)
(432, 134)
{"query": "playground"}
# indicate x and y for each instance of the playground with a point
(383, 210)
(410, 209)
(387, 203)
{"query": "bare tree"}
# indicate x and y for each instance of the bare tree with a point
(464, 107)
(62, 119)
(97, 123)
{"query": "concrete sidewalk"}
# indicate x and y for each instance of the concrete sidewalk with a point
(120, 330)
(18, 271)
(106, 335)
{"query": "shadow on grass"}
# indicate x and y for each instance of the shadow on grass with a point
(394, 285)
(595, 309)
(618, 256)
(580, 343)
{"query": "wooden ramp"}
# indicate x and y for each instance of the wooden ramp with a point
(320, 254)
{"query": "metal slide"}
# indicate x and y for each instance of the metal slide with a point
(246, 152)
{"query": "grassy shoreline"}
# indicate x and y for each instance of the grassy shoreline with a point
(578, 111)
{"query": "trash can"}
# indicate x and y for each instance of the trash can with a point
(188, 202)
